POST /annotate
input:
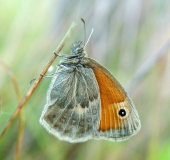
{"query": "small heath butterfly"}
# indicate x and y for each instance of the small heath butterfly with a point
(85, 101)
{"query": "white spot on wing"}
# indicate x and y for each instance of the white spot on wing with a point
(79, 110)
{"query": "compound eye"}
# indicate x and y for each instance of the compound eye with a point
(77, 49)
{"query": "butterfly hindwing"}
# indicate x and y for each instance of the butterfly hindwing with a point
(72, 111)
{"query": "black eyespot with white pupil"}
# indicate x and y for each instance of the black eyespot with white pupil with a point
(122, 112)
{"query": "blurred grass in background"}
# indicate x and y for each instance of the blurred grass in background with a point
(126, 34)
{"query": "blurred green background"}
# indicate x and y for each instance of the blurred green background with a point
(127, 39)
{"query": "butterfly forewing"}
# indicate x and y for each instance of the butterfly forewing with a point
(119, 119)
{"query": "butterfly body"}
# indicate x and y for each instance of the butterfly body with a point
(85, 101)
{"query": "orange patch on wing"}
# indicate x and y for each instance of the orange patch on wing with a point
(113, 97)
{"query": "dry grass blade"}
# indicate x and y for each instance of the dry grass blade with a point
(38, 80)
(21, 119)
(20, 135)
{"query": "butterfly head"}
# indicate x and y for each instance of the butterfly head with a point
(77, 49)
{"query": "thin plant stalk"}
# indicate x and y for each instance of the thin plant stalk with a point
(21, 114)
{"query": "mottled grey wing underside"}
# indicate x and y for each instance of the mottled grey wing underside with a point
(72, 111)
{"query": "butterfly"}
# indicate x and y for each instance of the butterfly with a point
(85, 101)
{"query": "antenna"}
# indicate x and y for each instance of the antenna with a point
(84, 30)
(89, 37)
(85, 42)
